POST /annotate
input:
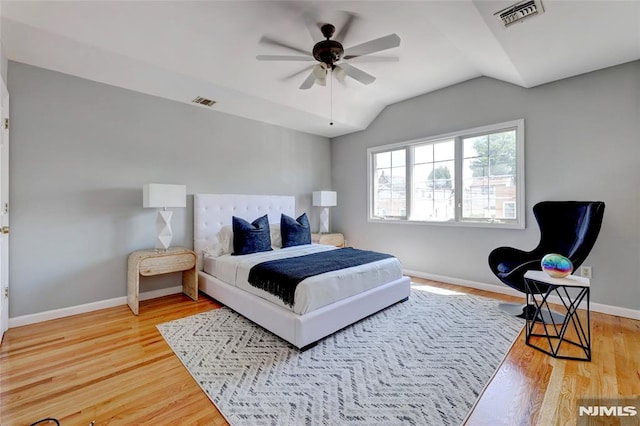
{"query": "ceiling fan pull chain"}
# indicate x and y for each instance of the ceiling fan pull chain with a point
(331, 97)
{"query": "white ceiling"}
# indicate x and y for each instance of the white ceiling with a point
(183, 49)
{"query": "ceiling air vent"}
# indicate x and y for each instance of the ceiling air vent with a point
(203, 101)
(519, 11)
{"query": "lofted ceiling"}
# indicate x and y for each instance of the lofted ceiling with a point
(183, 49)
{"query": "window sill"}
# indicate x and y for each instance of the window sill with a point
(465, 224)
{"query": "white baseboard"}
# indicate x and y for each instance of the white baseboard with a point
(595, 307)
(88, 307)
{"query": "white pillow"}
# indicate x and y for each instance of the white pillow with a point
(223, 243)
(276, 237)
(225, 239)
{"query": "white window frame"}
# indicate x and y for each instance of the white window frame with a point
(519, 223)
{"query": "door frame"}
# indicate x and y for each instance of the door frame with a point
(4, 208)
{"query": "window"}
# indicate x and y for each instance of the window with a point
(471, 177)
(390, 181)
(509, 209)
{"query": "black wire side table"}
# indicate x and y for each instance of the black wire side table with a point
(571, 292)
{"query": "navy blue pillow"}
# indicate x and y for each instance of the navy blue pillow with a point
(295, 232)
(251, 237)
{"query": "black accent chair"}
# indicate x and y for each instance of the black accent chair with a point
(569, 228)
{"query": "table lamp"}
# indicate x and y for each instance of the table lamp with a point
(325, 199)
(156, 195)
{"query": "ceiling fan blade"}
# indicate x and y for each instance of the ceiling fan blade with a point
(344, 29)
(383, 43)
(273, 42)
(295, 74)
(357, 74)
(313, 27)
(308, 82)
(360, 59)
(284, 58)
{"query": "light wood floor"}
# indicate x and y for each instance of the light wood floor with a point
(112, 367)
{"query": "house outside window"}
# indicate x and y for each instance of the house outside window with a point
(473, 177)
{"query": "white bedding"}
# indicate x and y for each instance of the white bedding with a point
(313, 292)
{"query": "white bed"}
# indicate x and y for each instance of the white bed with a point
(310, 323)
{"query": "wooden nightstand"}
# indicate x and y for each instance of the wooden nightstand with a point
(329, 239)
(156, 262)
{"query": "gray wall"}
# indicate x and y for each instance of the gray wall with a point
(582, 143)
(80, 153)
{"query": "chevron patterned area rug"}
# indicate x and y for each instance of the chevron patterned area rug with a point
(421, 362)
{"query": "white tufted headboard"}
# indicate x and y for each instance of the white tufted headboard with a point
(213, 211)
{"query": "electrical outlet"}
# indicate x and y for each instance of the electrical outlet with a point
(585, 271)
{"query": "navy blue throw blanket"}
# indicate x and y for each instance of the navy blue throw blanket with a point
(281, 277)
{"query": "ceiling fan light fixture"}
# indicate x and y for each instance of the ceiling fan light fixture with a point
(340, 73)
(320, 73)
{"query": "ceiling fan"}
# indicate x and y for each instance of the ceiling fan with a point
(331, 56)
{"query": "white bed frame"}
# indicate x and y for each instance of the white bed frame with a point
(213, 211)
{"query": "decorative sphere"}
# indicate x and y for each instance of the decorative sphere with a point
(556, 265)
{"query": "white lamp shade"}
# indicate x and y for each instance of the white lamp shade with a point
(325, 198)
(156, 195)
